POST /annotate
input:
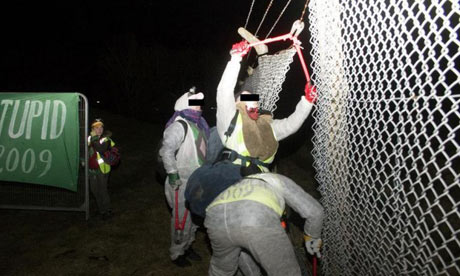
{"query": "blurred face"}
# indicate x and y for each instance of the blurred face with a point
(98, 130)
(196, 107)
(249, 104)
(196, 101)
(252, 107)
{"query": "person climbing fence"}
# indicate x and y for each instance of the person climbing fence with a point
(250, 138)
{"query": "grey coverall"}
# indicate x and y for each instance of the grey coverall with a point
(226, 108)
(180, 156)
(241, 218)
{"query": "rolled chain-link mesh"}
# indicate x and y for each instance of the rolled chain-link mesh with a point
(270, 75)
(387, 127)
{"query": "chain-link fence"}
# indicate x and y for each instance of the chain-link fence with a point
(15, 195)
(387, 131)
(269, 76)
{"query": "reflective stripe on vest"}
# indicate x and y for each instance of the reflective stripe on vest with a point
(236, 143)
(104, 167)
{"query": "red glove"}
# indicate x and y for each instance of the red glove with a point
(240, 49)
(310, 92)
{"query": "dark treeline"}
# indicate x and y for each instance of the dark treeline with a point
(131, 57)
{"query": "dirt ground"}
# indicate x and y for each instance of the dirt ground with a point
(136, 240)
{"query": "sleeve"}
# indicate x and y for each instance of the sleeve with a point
(287, 126)
(305, 205)
(98, 146)
(226, 107)
(173, 137)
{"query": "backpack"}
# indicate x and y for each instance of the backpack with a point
(92, 161)
(110, 157)
(160, 169)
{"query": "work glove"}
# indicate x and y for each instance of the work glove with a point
(310, 93)
(239, 49)
(174, 180)
(313, 245)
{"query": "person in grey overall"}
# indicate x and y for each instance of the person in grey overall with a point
(249, 137)
(247, 216)
(183, 150)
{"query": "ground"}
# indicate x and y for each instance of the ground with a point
(136, 240)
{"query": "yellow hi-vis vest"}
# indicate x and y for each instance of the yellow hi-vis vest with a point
(248, 189)
(236, 142)
(104, 167)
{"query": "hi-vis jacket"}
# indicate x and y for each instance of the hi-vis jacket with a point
(236, 142)
(226, 109)
(274, 191)
(104, 167)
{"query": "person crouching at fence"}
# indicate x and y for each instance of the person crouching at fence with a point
(183, 150)
(247, 216)
(99, 169)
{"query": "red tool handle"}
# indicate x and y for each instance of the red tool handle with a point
(177, 225)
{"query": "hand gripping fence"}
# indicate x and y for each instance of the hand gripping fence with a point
(386, 135)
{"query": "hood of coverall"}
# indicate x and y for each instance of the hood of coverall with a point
(183, 109)
(182, 102)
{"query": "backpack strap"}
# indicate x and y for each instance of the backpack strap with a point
(229, 154)
(184, 125)
(232, 125)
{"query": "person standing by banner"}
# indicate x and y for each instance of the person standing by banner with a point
(98, 169)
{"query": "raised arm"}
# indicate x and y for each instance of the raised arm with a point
(285, 127)
(225, 99)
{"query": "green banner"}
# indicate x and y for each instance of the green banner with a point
(39, 138)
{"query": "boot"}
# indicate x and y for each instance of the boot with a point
(181, 261)
(192, 255)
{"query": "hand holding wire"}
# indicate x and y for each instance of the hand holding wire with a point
(240, 49)
(310, 93)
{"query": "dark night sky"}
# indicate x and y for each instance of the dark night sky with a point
(59, 45)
